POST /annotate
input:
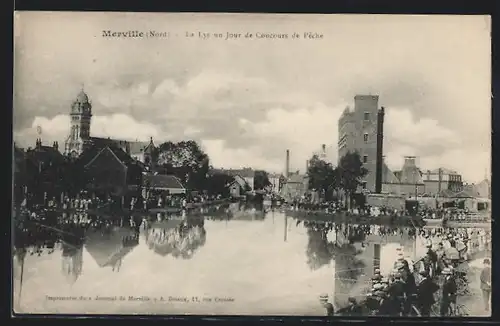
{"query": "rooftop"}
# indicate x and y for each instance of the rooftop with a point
(245, 172)
(93, 153)
(164, 181)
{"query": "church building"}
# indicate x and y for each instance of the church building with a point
(79, 138)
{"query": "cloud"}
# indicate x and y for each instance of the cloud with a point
(221, 156)
(118, 126)
(255, 99)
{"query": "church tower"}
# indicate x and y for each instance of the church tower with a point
(79, 135)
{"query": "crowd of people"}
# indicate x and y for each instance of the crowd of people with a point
(162, 200)
(84, 201)
(429, 286)
(405, 208)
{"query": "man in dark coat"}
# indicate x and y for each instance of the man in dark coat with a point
(425, 294)
(449, 293)
(352, 308)
(330, 311)
(432, 257)
(410, 289)
(385, 306)
(485, 279)
(396, 292)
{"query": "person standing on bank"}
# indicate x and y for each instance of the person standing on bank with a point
(330, 311)
(485, 279)
(425, 294)
(449, 293)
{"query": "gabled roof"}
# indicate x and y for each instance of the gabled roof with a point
(118, 153)
(468, 192)
(137, 147)
(410, 174)
(164, 181)
(240, 181)
(109, 142)
(388, 176)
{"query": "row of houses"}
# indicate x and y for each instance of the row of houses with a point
(101, 168)
(110, 168)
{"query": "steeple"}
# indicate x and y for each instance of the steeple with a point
(81, 114)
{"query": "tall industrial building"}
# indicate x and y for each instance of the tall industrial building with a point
(357, 129)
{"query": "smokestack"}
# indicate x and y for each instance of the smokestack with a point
(307, 166)
(287, 166)
(323, 148)
(380, 150)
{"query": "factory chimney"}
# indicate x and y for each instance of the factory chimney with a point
(380, 150)
(287, 164)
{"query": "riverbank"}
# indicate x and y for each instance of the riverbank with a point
(343, 217)
(109, 211)
(458, 224)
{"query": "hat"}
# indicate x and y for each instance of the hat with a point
(428, 245)
(351, 300)
(378, 286)
(397, 275)
(377, 277)
(380, 294)
(377, 271)
(424, 273)
(447, 271)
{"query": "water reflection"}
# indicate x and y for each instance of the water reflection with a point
(108, 246)
(179, 238)
(72, 262)
(231, 251)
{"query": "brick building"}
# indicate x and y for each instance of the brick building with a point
(357, 129)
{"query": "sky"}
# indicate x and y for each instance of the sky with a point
(246, 101)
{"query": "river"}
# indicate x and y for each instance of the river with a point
(251, 263)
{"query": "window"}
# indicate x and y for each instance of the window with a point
(365, 158)
(367, 116)
(365, 137)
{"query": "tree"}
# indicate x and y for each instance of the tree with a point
(322, 175)
(350, 173)
(261, 180)
(186, 160)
